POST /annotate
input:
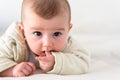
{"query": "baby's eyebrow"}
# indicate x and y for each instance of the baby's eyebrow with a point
(39, 28)
(62, 29)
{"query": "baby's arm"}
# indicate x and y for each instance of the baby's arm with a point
(72, 60)
(70, 63)
(21, 69)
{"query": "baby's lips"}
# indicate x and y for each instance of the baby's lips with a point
(40, 54)
(44, 53)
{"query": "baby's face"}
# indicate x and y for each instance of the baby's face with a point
(45, 34)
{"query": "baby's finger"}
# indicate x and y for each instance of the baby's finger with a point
(32, 66)
(39, 58)
(27, 71)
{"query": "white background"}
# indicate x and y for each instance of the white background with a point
(100, 17)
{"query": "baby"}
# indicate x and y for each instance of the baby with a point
(41, 40)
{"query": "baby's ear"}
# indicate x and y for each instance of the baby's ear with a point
(20, 25)
(21, 28)
(70, 26)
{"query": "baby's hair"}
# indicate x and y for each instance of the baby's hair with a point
(48, 8)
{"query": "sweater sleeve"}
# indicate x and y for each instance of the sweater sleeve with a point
(12, 48)
(72, 60)
(6, 58)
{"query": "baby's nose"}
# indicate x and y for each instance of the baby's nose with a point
(47, 43)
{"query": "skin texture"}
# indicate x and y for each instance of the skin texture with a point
(43, 36)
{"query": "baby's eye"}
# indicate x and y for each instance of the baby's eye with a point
(37, 33)
(57, 34)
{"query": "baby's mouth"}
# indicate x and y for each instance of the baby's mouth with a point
(43, 53)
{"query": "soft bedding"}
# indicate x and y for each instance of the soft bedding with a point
(105, 62)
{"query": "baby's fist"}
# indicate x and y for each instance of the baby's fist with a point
(46, 62)
(23, 69)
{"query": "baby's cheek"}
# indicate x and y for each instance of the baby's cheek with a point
(60, 46)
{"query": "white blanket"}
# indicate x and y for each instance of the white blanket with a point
(105, 63)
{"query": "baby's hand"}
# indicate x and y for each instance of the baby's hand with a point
(23, 69)
(46, 62)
